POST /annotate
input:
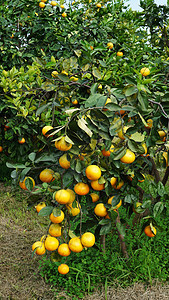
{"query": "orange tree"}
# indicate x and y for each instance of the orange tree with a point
(104, 92)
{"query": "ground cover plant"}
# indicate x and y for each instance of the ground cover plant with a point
(85, 130)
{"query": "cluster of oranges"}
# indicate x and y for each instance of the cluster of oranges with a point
(53, 3)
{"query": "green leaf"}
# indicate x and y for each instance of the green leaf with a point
(92, 100)
(157, 209)
(45, 211)
(152, 189)
(160, 188)
(42, 108)
(106, 228)
(29, 184)
(133, 146)
(120, 153)
(137, 137)
(83, 125)
(130, 91)
(32, 156)
(18, 166)
(56, 212)
(121, 229)
(78, 167)
(104, 222)
(63, 77)
(96, 73)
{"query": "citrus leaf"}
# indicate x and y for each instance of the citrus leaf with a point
(45, 211)
(158, 208)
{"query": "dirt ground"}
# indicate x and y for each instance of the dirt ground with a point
(19, 278)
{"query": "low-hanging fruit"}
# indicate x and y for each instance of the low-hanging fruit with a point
(40, 248)
(57, 219)
(62, 145)
(55, 230)
(64, 162)
(97, 186)
(150, 231)
(129, 157)
(64, 250)
(45, 129)
(88, 239)
(39, 206)
(81, 188)
(63, 269)
(145, 71)
(100, 210)
(51, 243)
(46, 175)
(22, 184)
(93, 172)
(75, 245)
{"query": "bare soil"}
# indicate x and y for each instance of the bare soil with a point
(19, 277)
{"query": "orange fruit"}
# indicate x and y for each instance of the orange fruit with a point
(149, 232)
(51, 243)
(72, 196)
(142, 179)
(100, 210)
(122, 131)
(64, 250)
(62, 196)
(113, 181)
(21, 141)
(39, 206)
(98, 5)
(75, 245)
(40, 248)
(62, 145)
(54, 74)
(119, 185)
(1, 149)
(58, 219)
(149, 123)
(64, 15)
(97, 186)
(93, 172)
(145, 72)
(91, 47)
(108, 152)
(42, 4)
(119, 53)
(81, 188)
(118, 205)
(88, 239)
(55, 230)
(128, 158)
(22, 183)
(73, 211)
(45, 129)
(63, 269)
(62, 6)
(110, 45)
(162, 133)
(63, 162)
(53, 3)
(75, 102)
(94, 196)
(46, 175)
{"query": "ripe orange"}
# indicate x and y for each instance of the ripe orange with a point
(161, 133)
(62, 196)
(93, 172)
(62, 6)
(149, 123)
(55, 230)
(63, 162)
(40, 248)
(94, 196)
(73, 211)
(64, 15)
(75, 102)
(72, 196)
(58, 219)
(75, 245)
(45, 129)
(63, 269)
(53, 3)
(119, 185)
(118, 205)
(21, 141)
(119, 53)
(91, 47)
(122, 132)
(51, 243)
(46, 175)
(129, 157)
(64, 250)
(145, 72)
(81, 188)
(88, 239)
(54, 74)
(1, 149)
(97, 186)
(22, 183)
(42, 4)
(108, 152)
(100, 210)
(40, 206)
(149, 232)
(62, 144)
(98, 5)
(113, 181)
(110, 45)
